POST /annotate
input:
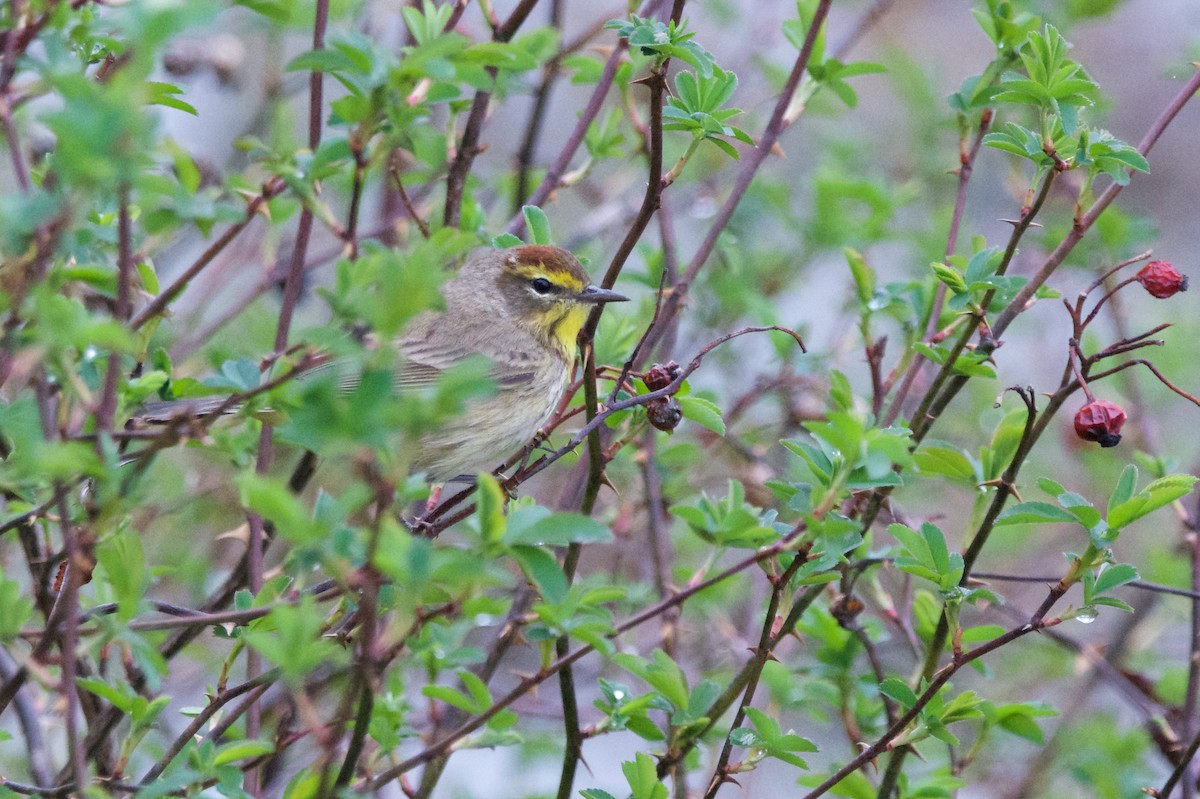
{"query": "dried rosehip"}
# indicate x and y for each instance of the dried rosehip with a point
(660, 376)
(1100, 421)
(846, 608)
(1161, 279)
(664, 413)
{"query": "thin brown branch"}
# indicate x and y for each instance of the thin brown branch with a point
(1154, 369)
(188, 734)
(270, 189)
(421, 224)
(468, 146)
(537, 115)
(107, 407)
(933, 401)
(554, 174)
(77, 562)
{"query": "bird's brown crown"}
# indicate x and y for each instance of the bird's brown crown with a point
(555, 263)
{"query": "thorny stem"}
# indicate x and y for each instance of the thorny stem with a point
(737, 685)
(1035, 425)
(200, 719)
(924, 416)
(750, 166)
(1026, 293)
(469, 147)
(1021, 300)
(939, 680)
(553, 179)
(291, 297)
(573, 744)
(527, 683)
(761, 654)
(967, 157)
(654, 187)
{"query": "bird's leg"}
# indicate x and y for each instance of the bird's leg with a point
(435, 496)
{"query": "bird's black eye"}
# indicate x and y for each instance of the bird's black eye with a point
(542, 285)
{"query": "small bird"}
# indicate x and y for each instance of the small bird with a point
(522, 308)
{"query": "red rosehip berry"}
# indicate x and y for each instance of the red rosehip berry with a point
(1100, 421)
(1161, 279)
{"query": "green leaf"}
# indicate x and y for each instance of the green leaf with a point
(124, 562)
(1113, 602)
(703, 413)
(1125, 487)
(898, 690)
(489, 507)
(477, 688)
(324, 60)
(15, 609)
(272, 500)
(164, 94)
(1162, 491)
(501, 55)
(242, 750)
(451, 696)
(1110, 577)
(1035, 513)
(506, 240)
(538, 224)
(292, 638)
(560, 529)
(1018, 719)
(239, 375)
(643, 778)
(840, 391)
(864, 276)
(941, 458)
(1023, 727)
(950, 276)
(541, 568)
(101, 688)
(660, 673)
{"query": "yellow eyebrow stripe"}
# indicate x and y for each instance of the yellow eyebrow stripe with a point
(556, 276)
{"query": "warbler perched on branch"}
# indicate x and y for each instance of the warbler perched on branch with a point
(522, 308)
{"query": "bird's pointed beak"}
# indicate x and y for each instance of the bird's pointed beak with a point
(597, 294)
